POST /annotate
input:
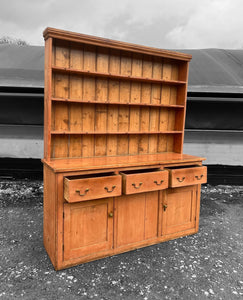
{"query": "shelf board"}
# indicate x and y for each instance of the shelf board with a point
(117, 77)
(108, 162)
(117, 103)
(55, 132)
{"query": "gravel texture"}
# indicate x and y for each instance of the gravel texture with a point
(207, 265)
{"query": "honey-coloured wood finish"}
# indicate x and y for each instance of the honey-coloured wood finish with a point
(134, 182)
(96, 187)
(187, 176)
(132, 99)
(88, 227)
(115, 176)
(135, 219)
(179, 209)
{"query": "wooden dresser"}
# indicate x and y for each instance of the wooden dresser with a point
(115, 176)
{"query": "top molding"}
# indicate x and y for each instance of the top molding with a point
(98, 41)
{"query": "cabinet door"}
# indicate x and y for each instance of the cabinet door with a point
(179, 209)
(88, 227)
(136, 218)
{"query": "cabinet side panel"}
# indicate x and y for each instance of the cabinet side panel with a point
(47, 102)
(49, 214)
(181, 99)
(198, 197)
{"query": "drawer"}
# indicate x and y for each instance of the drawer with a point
(90, 187)
(184, 176)
(143, 181)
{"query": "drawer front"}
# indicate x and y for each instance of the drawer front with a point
(76, 190)
(144, 182)
(188, 176)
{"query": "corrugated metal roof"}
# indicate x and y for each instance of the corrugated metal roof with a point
(21, 66)
(211, 70)
(216, 70)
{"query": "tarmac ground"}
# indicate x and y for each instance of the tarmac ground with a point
(207, 265)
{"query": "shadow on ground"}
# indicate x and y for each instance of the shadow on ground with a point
(208, 265)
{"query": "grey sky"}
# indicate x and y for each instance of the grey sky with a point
(172, 24)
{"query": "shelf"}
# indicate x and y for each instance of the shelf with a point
(117, 77)
(114, 133)
(94, 163)
(117, 103)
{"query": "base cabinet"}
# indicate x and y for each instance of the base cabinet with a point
(90, 229)
(179, 209)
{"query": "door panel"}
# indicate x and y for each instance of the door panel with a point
(136, 218)
(87, 227)
(178, 206)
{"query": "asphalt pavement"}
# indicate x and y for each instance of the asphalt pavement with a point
(207, 265)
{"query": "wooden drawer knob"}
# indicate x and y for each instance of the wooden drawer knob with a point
(199, 177)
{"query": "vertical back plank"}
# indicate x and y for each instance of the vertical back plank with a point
(164, 113)
(123, 115)
(125, 85)
(61, 110)
(174, 76)
(77, 57)
(89, 65)
(76, 124)
(123, 125)
(101, 96)
(155, 99)
(114, 68)
(89, 94)
(100, 126)
(170, 143)
(163, 125)
(134, 122)
(61, 54)
(143, 146)
(60, 146)
(76, 92)
(113, 96)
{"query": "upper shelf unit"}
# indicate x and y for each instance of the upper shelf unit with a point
(106, 98)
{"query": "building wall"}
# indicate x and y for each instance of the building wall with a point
(218, 147)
